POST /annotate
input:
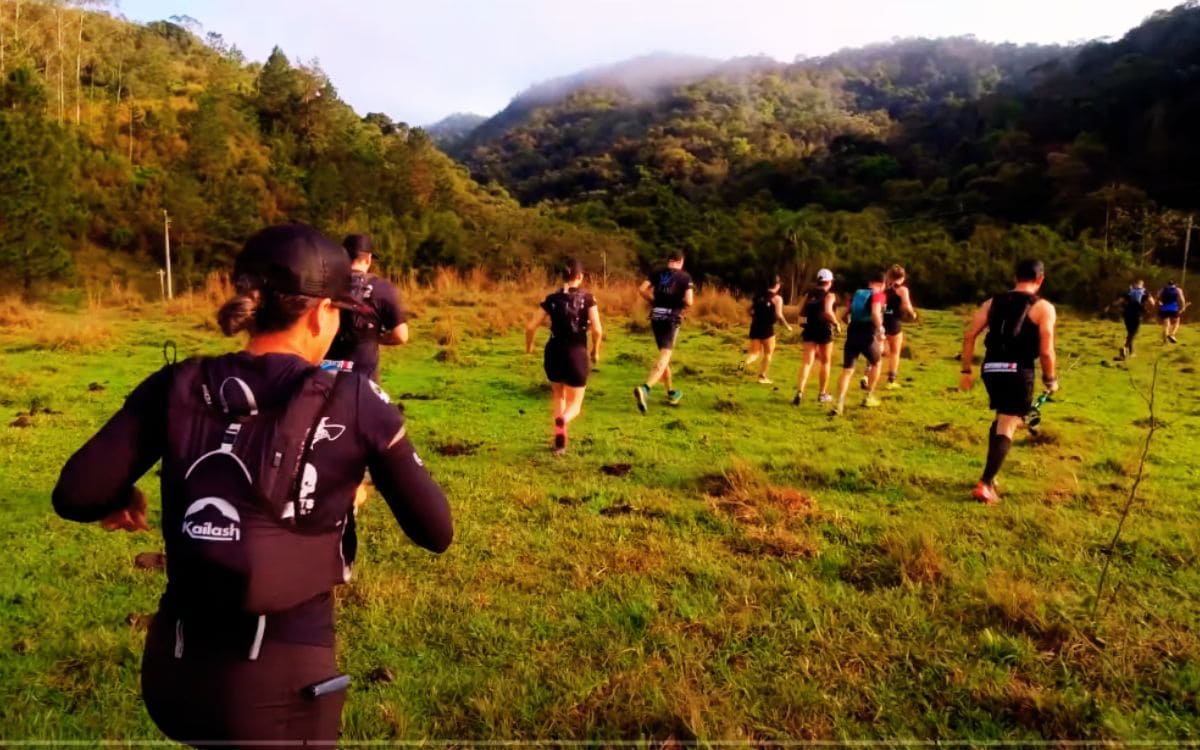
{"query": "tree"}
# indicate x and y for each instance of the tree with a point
(38, 171)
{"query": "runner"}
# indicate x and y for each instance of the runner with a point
(1020, 328)
(241, 651)
(820, 322)
(899, 305)
(1171, 305)
(864, 337)
(766, 310)
(379, 320)
(669, 291)
(1133, 307)
(571, 312)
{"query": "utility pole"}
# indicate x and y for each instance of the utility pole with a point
(1187, 245)
(167, 251)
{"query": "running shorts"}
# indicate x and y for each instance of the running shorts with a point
(1009, 388)
(762, 332)
(567, 364)
(665, 332)
(861, 341)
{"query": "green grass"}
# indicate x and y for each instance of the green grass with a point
(762, 572)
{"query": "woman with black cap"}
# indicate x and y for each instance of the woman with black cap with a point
(571, 313)
(261, 454)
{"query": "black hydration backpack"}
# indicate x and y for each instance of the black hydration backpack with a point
(358, 326)
(242, 526)
(1011, 336)
(569, 315)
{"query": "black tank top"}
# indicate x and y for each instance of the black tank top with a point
(1012, 336)
(892, 309)
(568, 310)
(814, 310)
(763, 312)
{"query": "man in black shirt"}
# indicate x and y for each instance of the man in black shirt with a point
(669, 291)
(1020, 327)
(382, 321)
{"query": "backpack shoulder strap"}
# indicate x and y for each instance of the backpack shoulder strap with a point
(281, 471)
(189, 402)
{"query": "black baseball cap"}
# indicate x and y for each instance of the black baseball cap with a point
(297, 259)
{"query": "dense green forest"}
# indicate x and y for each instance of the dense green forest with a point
(952, 156)
(104, 124)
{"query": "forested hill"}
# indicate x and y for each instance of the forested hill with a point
(952, 155)
(449, 131)
(104, 124)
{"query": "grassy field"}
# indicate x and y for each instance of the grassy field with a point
(761, 572)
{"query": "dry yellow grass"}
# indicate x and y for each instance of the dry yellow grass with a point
(16, 313)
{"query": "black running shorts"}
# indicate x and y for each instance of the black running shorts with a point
(816, 334)
(567, 364)
(665, 332)
(762, 332)
(861, 341)
(1011, 393)
(1133, 324)
(892, 326)
(1169, 314)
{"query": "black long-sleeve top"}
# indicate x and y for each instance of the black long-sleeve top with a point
(360, 429)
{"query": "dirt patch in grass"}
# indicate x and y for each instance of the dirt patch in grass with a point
(745, 494)
(625, 509)
(380, 675)
(458, 449)
(416, 397)
(1042, 437)
(150, 561)
(1145, 423)
(139, 621)
(616, 470)
(728, 406)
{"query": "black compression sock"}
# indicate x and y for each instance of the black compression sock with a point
(998, 446)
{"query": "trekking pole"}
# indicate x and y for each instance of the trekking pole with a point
(1034, 416)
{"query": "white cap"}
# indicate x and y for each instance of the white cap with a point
(824, 275)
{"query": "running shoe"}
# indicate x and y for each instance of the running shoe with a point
(1172, 339)
(986, 493)
(797, 399)
(865, 382)
(893, 385)
(838, 410)
(764, 380)
(640, 393)
(825, 398)
(674, 397)
(872, 401)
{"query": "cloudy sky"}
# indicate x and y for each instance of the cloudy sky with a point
(419, 61)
